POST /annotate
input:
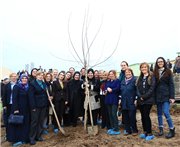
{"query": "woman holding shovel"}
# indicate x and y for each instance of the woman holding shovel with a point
(94, 87)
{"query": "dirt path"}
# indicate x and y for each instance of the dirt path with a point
(80, 139)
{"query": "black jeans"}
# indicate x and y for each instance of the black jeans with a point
(59, 108)
(130, 120)
(146, 121)
(105, 114)
(36, 125)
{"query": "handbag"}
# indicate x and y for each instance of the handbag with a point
(16, 119)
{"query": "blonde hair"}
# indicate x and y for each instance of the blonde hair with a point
(114, 72)
(45, 76)
(149, 72)
(55, 70)
(105, 73)
(12, 74)
(39, 72)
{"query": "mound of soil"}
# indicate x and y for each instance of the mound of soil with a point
(79, 138)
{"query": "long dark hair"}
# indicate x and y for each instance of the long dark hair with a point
(166, 69)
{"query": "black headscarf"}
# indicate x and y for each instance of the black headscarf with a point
(93, 79)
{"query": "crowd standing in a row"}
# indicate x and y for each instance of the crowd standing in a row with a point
(28, 97)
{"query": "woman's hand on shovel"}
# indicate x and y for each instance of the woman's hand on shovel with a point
(50, 98)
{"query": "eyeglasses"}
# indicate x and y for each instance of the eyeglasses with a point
(160, 62)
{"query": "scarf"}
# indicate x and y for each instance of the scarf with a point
(48, 83)
(127, 80)
(20, 84)
(161, 71)
(40, 84)
(122, 75)
(103, 85)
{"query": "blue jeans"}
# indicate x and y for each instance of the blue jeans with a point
(178, 70)
(5, 116)
(164, 107)
(112, 110)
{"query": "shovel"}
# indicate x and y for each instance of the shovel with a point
(93, 129)
(62, 131)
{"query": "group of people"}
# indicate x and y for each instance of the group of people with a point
(30, 96)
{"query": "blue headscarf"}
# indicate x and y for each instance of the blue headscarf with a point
(20, 84)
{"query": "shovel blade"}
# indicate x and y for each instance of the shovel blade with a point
(93, 130)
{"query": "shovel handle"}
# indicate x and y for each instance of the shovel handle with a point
(55, 113)
(90, 110)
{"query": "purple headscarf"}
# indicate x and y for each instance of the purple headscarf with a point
(20, 84)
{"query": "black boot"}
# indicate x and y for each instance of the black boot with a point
(160, 131)
(171, 133)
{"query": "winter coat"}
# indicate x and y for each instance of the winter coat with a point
(94, 87)
(147, 93)
(165, 89)
(128, 94)
(113, 97)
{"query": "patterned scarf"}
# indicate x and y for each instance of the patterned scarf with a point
(20, 84)
(127, 80)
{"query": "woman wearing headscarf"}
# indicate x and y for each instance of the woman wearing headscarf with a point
(33, 75)
(20, 133)
(76, 99)
(94, 88)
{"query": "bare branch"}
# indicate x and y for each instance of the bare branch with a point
(95, 36)
(72, 54)
(64, 59)
(112, 52)
(71, 41)
(83, 36)
(107, 64)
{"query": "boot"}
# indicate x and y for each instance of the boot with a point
(160, 131)
(171, 133)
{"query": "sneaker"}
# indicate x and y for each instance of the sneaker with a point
(109, 131)
(149, 137)
(121, 124)
(56, 130)
(115, 132)
(83, 121)
(17, 143)
(5, 138)
(40, 139)
(45, 132)
(52, 125)
(24, 142)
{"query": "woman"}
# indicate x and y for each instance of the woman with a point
(104, 109)
(151, 68)
(96, 74)
(20, 133)
(48, 78)
(66, 117)
(124, 65)
(33, 75)
(60, 95)
(8, 96)
(165, 94)
(93, 86)
(68, 76)
(146, 83)
(128, 101)
(111, 91)
(76, 99)
(38, 100)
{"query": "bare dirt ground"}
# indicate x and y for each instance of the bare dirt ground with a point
(78, 138)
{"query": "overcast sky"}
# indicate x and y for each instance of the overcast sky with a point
(31, 30)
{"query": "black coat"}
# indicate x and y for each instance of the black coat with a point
(6, 94)
(20, 102)
(37, 96)
(165, 89)
(58, 92)
(147, 93)
(76, 97)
